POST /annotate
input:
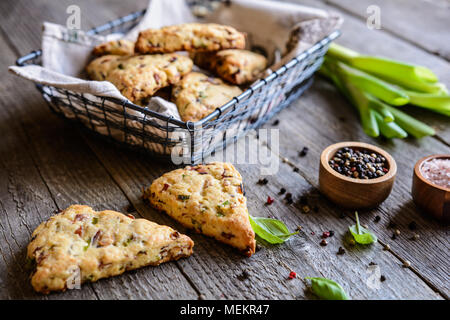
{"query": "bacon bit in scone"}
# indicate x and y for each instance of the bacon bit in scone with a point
(270, 200)
(201, 170)
(174, 235)
(95, 238)
(131, 216)
(79, 217)
(166, 186)
(292, 275)
(227, 235)
(79, 231)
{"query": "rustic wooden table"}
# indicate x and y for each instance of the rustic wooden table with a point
(46, 164)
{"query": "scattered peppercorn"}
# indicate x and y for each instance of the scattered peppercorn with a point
(243, 276)
(305, 209)
(359, 164)
(412, 225)
(201, 297)
(288, 195)
(372, 263)
(282, 191)
(263, 181)
(387, 247)
(415, 237)
(325, 234)
(292, 275)
(406, 264)
(313, 233)
(316, 209)
(303, 152)
(299, 228)
(351, 242)
(276, 122)
(270, 200)
(377, 219)
(296, 169)
(342, 215)
(323, 243)
(303, 200)
(341, 250)
(130, 208)
(392, 225)
(397, 232)
(331, 232)
(382, 278)
(393, 236)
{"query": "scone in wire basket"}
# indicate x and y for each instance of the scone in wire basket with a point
(168, 138)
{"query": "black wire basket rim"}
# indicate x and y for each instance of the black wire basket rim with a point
(189, 125)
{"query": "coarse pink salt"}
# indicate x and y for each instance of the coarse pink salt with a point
(437, 171)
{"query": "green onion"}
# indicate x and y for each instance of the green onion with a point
(390, 129)
(435, 102)
(416, 128)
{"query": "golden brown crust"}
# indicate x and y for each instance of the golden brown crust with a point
(98, 245)
(197, 95)
(234, 65)
(139, 77)
(189, 37)
(208, 198)
(120, 47)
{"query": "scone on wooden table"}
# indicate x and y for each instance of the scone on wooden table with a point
(234, 65)
(208, 198)
(139, 77)
(121, 47)
(98, 245)
(189, 37)
(197, 95)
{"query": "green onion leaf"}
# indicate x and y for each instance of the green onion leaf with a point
(362, 235)
(414, 127)
(436, 102)
(370, 84)
(327, 289)
(271, 230)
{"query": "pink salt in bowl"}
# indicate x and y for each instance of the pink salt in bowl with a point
(430, 188)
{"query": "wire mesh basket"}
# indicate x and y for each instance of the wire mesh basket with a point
(168, 138)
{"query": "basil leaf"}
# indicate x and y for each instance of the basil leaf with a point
(327, 289)
(271, 230)
(361, 234)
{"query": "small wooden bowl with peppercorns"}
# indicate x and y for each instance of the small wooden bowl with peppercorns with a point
(430, 189)
(356, 175)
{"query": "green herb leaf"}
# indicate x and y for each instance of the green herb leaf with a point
(271, 230)
(87, 246)
(94, 220)
(362, 235)
(327, 289)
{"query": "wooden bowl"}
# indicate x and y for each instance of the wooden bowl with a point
(431, 198)
(355, 193)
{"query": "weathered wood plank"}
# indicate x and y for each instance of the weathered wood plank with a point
(215, 268)
(422, 23)
(312, 122)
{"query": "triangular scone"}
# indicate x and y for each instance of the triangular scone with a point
(208, 198)
(80, 242)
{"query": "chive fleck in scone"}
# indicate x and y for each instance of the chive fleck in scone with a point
(190, 37)
(139, 77)
(98, 245)
(233, 65)
(208, 198)
(120, 47)
(197, 95)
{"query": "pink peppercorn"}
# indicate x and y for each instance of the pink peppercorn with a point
(270, 200)
(325, 234)
(292, 275)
